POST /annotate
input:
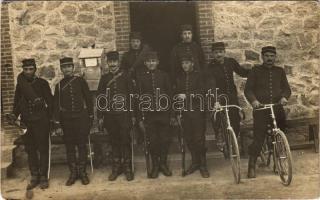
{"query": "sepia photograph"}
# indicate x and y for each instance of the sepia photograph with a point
(160, 100)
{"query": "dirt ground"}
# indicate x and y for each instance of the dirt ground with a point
(220, 185)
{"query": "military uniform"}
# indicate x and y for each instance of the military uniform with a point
(132, 60)
(194, 120)
(267, 85)
(186, 48)
(117, 123)
(33, 101)
(222, 73)
(156, 122)
(74, 109)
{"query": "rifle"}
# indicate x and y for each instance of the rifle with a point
(132, 147)
(146, 144)
(182, 144)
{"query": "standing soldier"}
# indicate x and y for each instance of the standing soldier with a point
(33, 101)
(117, 122)
(132, 60)
(220, 70)
(266, 84)
(186, 46)
(156, 122)
(74, 109)
(192, 82)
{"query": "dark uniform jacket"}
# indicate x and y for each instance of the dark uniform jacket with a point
(223, 77)
(72, 98)
(118, 83)
(186, 48)
(133, 61)
(267, 85)
(27, 90)
(192, 83)
(148, 83)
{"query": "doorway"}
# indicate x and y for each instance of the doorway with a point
(159, 24)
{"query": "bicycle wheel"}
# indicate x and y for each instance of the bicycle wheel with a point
(234, 154)
(283, 158)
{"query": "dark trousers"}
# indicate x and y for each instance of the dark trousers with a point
(118, 126)
(234, 121)
(194, 131)
(75, 135)
(261, 120)
(37, 146)
(158, 130)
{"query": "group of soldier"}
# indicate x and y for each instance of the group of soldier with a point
(139, 72)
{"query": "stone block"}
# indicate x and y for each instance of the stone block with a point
(251, 55)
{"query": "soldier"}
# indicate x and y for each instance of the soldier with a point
(156, 122)
(186, 46)
(266, 84)
(73, 108)
(132, 60)
(33, 101)
(188, 83)
(117, 122)
(220, 70)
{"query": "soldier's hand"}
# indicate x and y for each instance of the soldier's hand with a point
(134, 120)
(182, 96)
(100, 124)
(283, 101)
(142, 127)
(173, 121)
(256, 104)
(217, 106)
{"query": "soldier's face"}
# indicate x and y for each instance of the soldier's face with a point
(186, 36)
(29, 71)
(218, 54)
(135, 44)
(113, 65)
(187, 65)
(152, 64)
(269, 58)
(67, 70)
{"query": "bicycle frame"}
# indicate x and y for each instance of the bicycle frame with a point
(276, 132)
(229, 136)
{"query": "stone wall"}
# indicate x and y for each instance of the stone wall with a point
(47, 31)
(293, 27)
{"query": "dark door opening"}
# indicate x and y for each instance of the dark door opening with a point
(159, 23)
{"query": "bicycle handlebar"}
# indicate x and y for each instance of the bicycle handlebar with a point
(228, 106)
(267, 106)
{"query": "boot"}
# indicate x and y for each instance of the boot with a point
(164, 166)
(83, 173)
(252, 167)
(116, 170)
(73, 174)
(34, 180)
(194, 165)
(128, 170)
(155, 167)
(203, 165)
(44, 183)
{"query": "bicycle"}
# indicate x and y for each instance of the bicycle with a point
(231, 147)
(276, 144)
